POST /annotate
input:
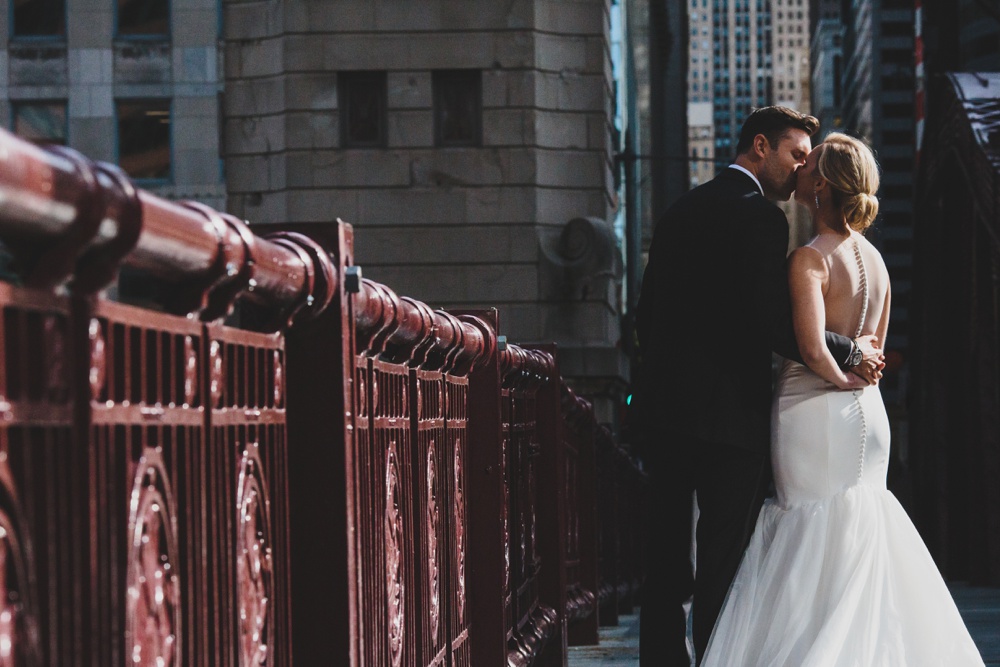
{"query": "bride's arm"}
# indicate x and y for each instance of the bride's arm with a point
(883, 323)
(807, 274)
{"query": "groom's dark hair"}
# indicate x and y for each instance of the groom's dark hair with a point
(773, 123)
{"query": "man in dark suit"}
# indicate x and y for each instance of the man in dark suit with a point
(714, 304)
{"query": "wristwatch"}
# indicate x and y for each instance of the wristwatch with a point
(856, 356)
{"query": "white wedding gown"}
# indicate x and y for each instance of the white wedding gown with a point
(836, 575)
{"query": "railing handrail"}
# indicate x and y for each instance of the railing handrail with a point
(93, 219)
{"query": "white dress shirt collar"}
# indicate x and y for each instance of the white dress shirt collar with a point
(747, 172)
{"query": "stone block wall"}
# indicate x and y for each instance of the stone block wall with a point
(456, 227)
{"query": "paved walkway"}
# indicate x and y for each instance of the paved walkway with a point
(980, 608)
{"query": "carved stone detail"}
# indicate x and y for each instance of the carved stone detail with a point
(152, 616)
(433, 522)
(395, 593)
(254, 566)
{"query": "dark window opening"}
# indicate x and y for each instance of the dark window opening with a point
(457, 108)
(897, 110)
(897, 137)
(144, 138)
(837, 77)
(41, 122)
(897, 56)
(362, 99)
(137, 18)
(39, 18)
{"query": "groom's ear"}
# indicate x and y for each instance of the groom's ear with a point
(761, 145)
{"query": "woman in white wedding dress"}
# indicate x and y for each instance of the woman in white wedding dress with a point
(835, 574)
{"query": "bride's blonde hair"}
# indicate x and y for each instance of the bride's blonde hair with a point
(850, 167)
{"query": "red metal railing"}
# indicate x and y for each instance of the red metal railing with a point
(175, 489)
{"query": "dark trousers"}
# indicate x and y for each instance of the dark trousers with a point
(731, 485)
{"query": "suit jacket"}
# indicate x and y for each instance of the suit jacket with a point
(714, 303)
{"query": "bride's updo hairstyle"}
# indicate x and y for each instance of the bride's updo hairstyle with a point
(850, 168)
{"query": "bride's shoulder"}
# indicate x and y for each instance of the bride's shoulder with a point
(822, 244)
(868, 248)
(808, 259)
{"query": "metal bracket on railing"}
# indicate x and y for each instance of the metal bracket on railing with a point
(450, 338)
(375, 316)
(57, 263)
(413, 334)
(191, 295)
(238, 251)
(481, 344)
(324, 284)
(306, 297)
(99, 266)
(352, 279)
(576, 410)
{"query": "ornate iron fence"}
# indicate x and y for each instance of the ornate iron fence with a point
(179, 482)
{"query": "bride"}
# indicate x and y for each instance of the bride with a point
(835, 574)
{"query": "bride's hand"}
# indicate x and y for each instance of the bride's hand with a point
(851, 381)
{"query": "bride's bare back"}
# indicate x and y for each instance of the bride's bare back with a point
(843, 287)
(825, 280)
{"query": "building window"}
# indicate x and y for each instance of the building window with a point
(362, 99)
(144, 138)
(143, 18)
(40, 122)
(458, 107)
(39, 18)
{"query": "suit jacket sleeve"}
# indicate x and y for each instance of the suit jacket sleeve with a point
(772, 299)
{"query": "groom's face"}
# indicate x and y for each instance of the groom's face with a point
(782, 162)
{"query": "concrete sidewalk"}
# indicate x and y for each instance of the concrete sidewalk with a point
(980, 608)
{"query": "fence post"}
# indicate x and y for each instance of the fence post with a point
(488, 557)
(555, 505)
(578, 421)
(322, 476)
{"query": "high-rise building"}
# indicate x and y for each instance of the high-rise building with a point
(961, 36)
(956, 417)
(827, 61)
(859, 72)
(701, 143)
(879, 85)
(135, 82)
(742, 65)
(790, 53)
(701, 93)
(790, 87)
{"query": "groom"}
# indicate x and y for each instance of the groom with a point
(714, 304)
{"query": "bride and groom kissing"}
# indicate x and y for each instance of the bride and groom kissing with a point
(830, 572)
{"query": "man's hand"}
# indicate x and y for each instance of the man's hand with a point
(872, 360)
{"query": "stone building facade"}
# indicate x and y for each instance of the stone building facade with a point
(130, 82)
(470, 144)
